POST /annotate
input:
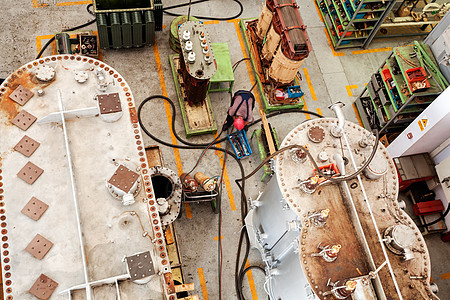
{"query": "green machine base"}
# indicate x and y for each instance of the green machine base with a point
(197, 119)
(268, 107)
(263, 149)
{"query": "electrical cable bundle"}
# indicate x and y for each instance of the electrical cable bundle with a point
(241, 9)
(240, 269)
(240, 266)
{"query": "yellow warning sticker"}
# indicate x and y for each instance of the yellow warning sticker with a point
(423, 123)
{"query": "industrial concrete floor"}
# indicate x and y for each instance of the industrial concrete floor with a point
(328, 76)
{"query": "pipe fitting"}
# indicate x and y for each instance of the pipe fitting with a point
(337, 130)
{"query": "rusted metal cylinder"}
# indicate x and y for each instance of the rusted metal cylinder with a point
(205, 182)
(263, 23)
(283, 70)
(189, 183)
(271, 44)
(195, 88)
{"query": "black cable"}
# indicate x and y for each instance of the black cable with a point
(189, 145)
(438, 219)
(45, 47)
(183, 4)
(219, 203)
(239, 268)
(241, 9)
(70, 29)
(313, 161)
(90, 11)
(236, 64)
(189, 10)
(241, 276)
(251, 268)
(270, 115)
(201, 156)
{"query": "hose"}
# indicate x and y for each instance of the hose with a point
(188, 145)
(239, 268)
(332, 179)
(241, 9)
(241, 277)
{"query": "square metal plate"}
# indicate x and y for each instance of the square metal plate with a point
(26, 146)
(43, 287)
(30, 172)
(109, 103)
(39, 246)
(21, 95)
(24, 120)
(140, 265)
(35, 208)
(124, 178)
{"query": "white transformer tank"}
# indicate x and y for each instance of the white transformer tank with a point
(333, 234)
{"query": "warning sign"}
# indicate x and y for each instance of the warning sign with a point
(423, 123)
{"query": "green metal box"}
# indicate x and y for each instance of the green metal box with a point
(127, 23)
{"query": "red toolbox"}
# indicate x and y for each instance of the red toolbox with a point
(417, 79)
(387, 76)
(428, 207)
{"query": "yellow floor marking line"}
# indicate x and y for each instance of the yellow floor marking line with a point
(202, 280)
(187, 210)
(305, 107)
(331, 45)
(176, 152)
(349, 89)
(216, 238)
(357, 115)
(251, 282)
(39, 39)
(318, 11)
(167, 107)
(226, 179)
(356, 51)
(445, 276)
(36, 4)
(371, 50)
(69, 3)
(319, 111)
(308, 81)
(210, 22)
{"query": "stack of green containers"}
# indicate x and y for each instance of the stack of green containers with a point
(127, 23)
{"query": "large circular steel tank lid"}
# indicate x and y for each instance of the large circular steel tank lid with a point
(291, 172)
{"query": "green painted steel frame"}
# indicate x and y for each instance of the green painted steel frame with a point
(224, 73)
(262, 151)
